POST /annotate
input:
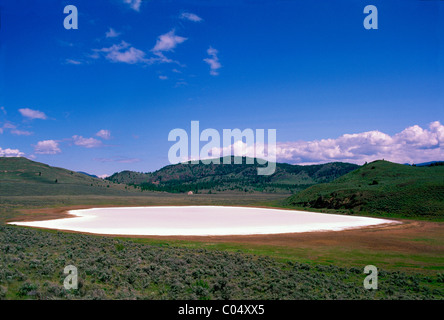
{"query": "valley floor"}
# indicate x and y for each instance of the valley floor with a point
(413, 248)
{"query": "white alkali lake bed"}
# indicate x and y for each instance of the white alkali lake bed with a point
(201, 221)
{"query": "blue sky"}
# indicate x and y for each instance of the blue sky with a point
(104, 97)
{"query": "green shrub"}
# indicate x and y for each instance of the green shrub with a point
(27, 289)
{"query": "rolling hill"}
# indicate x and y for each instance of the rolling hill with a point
(380, 187)
(21, 177)
(88, 174)
(233, 177)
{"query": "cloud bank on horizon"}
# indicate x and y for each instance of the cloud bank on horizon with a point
(412, 145)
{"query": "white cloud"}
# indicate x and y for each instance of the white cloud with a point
(163, 77)
(128, 160)
(118, 159)
(191, 17)
(71, 61)
(238, 149)
(160, 58)
(13, 130)
(111, 33)
(122, 52)
(213, 61)
(32, 114)
(167, 42)
(3, 110)
(417, 136)
(47, 147)
(86, 142)
(125, 53)
(10, 153)
(9, 125)
(134, 4)
(104, 134)
(412, 145)
(21, 132)
(95, 55)
(103, 176)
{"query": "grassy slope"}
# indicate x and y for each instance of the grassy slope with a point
(381, 188)
(23, 177)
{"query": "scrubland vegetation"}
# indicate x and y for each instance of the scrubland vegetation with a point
(32, 263)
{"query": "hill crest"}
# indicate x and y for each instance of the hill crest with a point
(380, 187)
(212, 177)
(21, 176)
